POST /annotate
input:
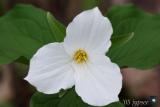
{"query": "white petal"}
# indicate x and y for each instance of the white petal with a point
(99, 82)
(89, 30)
(50, 69)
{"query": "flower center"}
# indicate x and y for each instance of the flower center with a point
(80, 56)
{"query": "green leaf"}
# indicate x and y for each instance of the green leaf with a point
(6, 104)
(88, 4)
(43, 100)
(23, 60)
(62, 93)
(119, 13)
(70, 99)
(121, 40)
(142, 51)
(56, 28)
(118, 42)
(24, 30)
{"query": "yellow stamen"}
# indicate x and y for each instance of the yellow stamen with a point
(80, 56)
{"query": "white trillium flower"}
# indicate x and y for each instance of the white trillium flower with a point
(80, 60)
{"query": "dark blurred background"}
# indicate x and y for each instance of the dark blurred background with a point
(16, 92)
(65, 10)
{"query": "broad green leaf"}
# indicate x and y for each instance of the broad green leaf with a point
(70, 99)
(56, 28)
(24, 30)
(121, 40)
(88, 4)
(22, 60)
(6, 105)
(43, 100)
(119, 13)
(142, 51)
